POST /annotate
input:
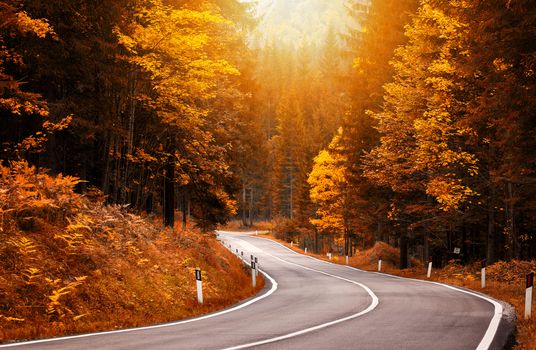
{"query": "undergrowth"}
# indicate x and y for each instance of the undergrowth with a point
(69, 264)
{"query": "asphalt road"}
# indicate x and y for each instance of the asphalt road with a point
(311, 304)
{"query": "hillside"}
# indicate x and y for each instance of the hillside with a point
(69, 263)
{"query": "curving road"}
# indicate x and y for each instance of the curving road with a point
(311, 304)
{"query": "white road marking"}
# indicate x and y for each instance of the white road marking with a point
(371, 307)
(493, 326)
(241, 306)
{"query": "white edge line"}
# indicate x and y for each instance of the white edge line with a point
(486, 341)
(493, 326)
(372, 306)
(219, 313)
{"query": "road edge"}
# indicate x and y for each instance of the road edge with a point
(269, 288)
(504, 335)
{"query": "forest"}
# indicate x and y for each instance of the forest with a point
(412, 123)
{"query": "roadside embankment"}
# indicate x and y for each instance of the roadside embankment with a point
(70, 264)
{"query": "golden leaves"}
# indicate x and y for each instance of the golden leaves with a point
(327, 181)
(24, 245)
(11, 319)
(55, 309)
(39, 27)
(449, 192)
(75, 233)
(30, 275)
(179, 50)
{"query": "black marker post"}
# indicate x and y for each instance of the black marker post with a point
(256, 266)
(253, 274)
(199, 285)
(528, 295)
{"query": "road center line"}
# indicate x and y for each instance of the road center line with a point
(493, 326)
(371, 307)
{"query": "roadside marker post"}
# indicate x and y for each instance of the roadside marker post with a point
(483, 274)
(291, 244)
(429, 267)
(199, 285)
(305, 250)
(236, 251)
(346, 259)
(256, 266)
(380, 264)
(528, 295)
(253, 274)
(256, 232)
(242, 254)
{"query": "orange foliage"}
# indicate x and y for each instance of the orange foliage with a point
(68, 264)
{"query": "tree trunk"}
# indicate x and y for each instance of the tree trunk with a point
(403, 252)
(490, 249)
(169, 193)
(185, 211)
(130, 139)
(426, 252)
(244, 220)
(250, 213)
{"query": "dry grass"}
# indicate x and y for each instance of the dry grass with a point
(236, 226)
(504, 280)
(71, 265)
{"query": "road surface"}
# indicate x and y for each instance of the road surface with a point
(311, 304)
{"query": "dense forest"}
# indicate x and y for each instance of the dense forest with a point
(413, 125)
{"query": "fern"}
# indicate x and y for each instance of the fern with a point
(55, 308)
(31, 275)
(74, 235)
(2, 213)
(11, 319)
(24, 245)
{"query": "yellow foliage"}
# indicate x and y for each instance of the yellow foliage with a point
(75, 233)
(25, 246)
(11, 319)
(327, 182)
(30, 275)
(55, 309)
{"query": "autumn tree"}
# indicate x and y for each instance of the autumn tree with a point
(180, 51)
(26, 124)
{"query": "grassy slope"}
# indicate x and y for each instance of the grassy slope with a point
(504, 281)
(69, 264)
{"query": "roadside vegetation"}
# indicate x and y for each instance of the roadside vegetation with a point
(70, 264)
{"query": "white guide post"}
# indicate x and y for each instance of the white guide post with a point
(291, 244)
(256, 232)
(199, 285)
(483, 274)
(429, 267)
(528, 295)
(256, 266)
(305, 250)
(253, 274)
(346, 259)
(380, 264)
